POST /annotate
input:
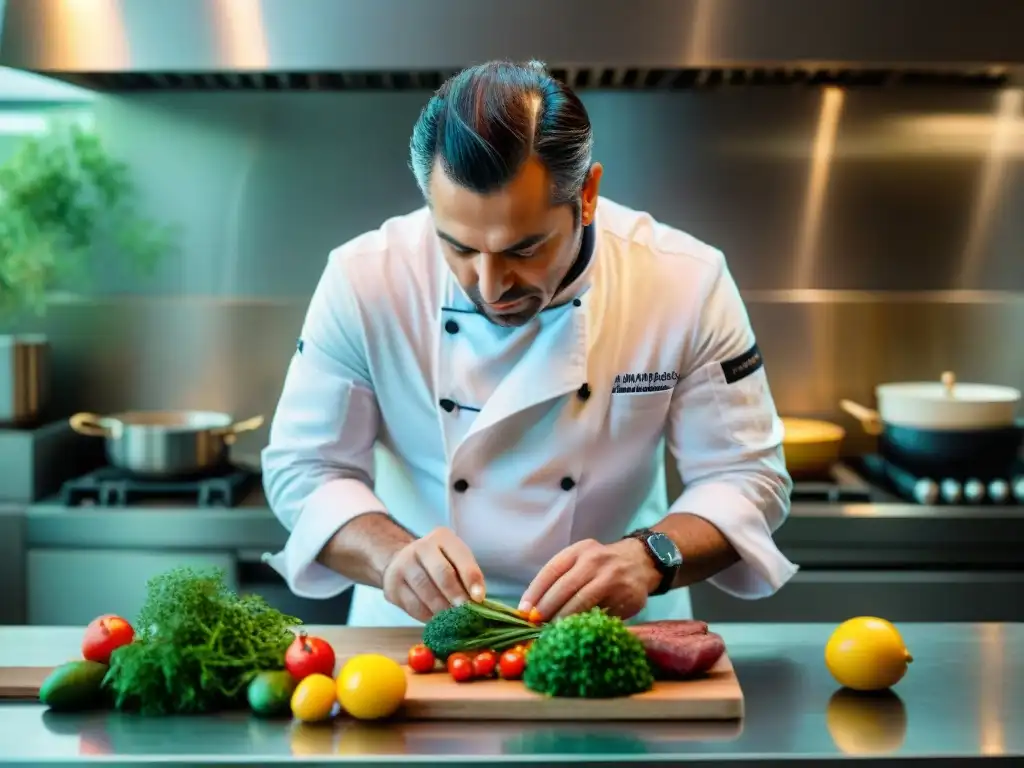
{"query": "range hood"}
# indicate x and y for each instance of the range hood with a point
(131, 45)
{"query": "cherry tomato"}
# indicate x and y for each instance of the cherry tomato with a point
(103, 636)
(421, 659)
(309, 656)
(484, 663)
(460, 667)
(511, 665)
(534, 616)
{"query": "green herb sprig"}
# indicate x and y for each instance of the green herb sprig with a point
(197, 646)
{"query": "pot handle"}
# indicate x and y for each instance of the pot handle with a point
(230, 433)
(869, 419)
(948, 379)
(93, 425)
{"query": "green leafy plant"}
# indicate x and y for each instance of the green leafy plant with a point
(64, 201)
(588, 655)
(197, 646)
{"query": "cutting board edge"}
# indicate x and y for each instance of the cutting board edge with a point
(723, 710)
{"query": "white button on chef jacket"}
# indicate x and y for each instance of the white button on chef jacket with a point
(401, 397)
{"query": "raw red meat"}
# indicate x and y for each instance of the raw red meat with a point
(680, 649)
(670, 628)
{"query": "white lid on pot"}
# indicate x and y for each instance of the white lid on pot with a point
(948, 390)
(947, 405)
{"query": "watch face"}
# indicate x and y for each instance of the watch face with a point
(665, 549)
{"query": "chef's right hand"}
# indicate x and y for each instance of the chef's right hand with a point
(431, 574)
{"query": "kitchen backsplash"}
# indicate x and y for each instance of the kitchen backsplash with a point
(876, 234)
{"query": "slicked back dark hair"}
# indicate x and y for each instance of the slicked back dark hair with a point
(486, 121)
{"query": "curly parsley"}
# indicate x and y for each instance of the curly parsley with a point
(588, 655)
(197, 646)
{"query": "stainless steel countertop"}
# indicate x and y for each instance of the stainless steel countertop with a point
(963, 697)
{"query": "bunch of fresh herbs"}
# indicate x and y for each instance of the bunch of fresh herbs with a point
(197, 646)
(588, 655)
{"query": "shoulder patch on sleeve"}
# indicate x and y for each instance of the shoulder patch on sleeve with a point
(741, 366)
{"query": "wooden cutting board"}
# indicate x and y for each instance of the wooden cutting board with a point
(437, 697)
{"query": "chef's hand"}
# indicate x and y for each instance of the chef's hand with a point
(617, 577)
(431, 574)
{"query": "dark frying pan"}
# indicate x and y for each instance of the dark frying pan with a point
(985, 453)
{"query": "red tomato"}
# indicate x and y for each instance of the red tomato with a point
(309, 656)
(484, 663)
(421, 659)
(460, 667)
(511, 665)
(103, 636)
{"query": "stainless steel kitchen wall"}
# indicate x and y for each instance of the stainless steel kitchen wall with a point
(876, 234)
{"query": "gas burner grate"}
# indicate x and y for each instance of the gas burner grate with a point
(112, 487)
(840, 485)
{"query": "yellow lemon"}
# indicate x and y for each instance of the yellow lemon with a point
(867, 654)
(314, 698)
(371, 686)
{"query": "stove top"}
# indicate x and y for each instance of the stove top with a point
(112, 487)
(873, 479)
(910, 486)
(843, 485)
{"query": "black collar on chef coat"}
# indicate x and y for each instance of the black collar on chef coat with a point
(579, 266)
(583, 258)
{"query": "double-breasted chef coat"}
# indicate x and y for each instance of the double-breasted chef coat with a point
(401, 397)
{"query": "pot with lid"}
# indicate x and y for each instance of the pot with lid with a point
(166, 443)
(945, 428)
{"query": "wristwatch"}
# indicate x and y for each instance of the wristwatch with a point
(665, 554)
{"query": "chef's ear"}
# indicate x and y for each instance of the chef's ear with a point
(589, 193)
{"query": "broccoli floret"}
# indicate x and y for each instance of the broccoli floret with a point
(476, 626)
(588, 655)
(450, 629)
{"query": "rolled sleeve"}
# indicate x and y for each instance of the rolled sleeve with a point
(318, 467)
(726, 437)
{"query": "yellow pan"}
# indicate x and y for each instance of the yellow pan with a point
(811, 447)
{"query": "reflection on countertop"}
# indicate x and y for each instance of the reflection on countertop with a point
(963, 697)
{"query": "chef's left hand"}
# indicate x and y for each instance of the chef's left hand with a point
(617, 577)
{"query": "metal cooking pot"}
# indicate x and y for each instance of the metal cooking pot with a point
(944, 428)
(165, 443)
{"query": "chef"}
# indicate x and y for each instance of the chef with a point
(482, 389)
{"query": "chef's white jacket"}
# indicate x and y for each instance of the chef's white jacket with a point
(400, 397)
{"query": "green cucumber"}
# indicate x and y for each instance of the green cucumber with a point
(74, 686)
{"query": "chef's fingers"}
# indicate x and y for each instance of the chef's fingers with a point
(418, 579)
(583, 600)
(545, 579)
(407, 600)
(443, 574)
(568, 587)
(465, 565)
